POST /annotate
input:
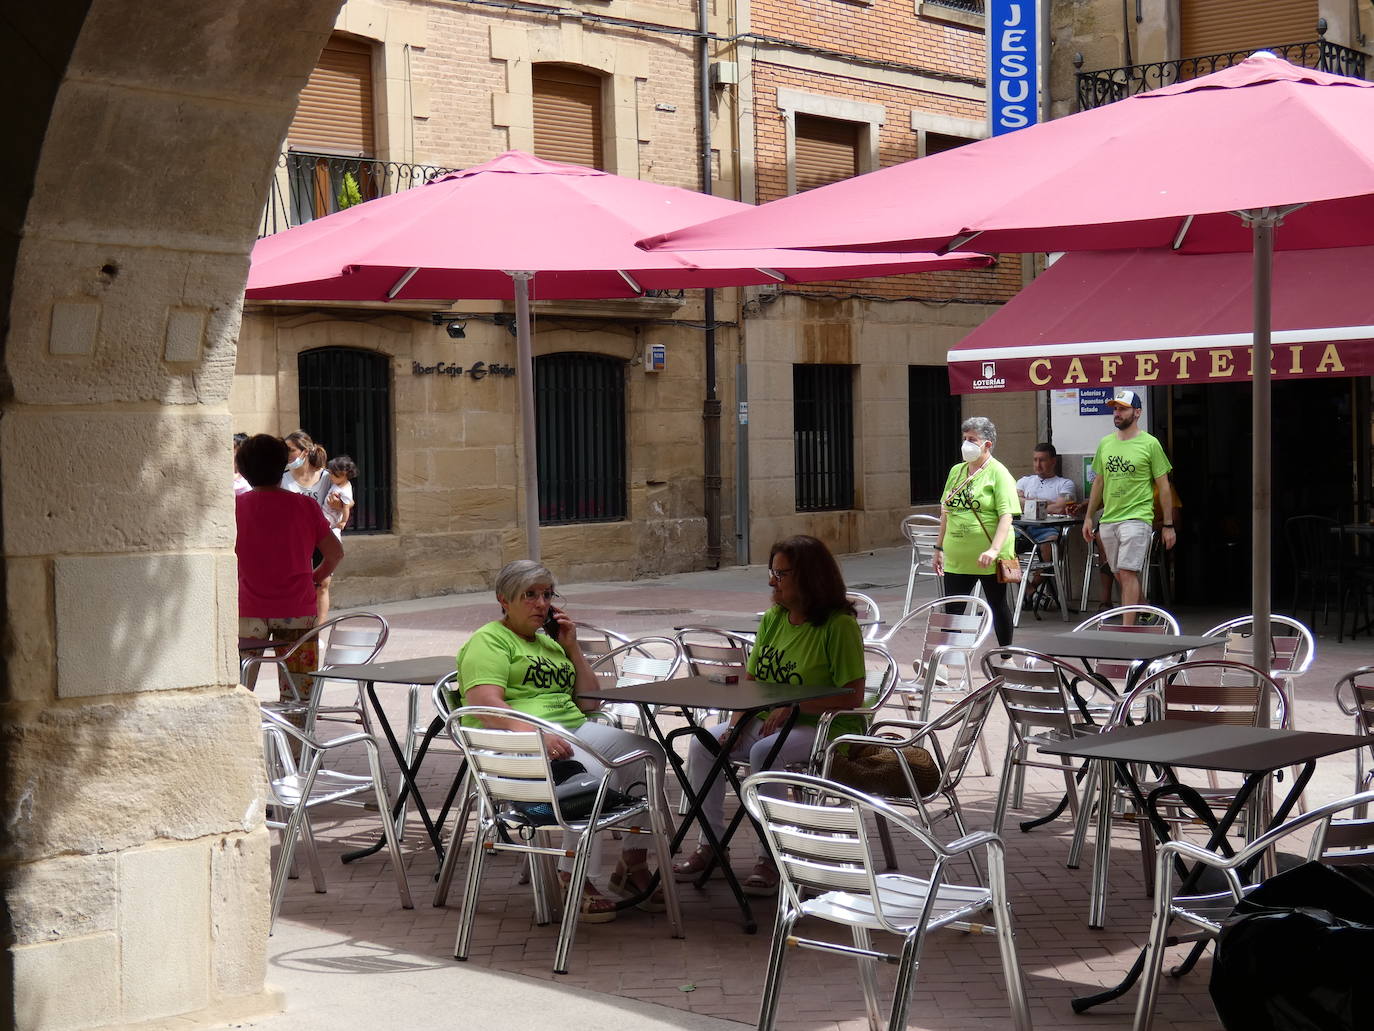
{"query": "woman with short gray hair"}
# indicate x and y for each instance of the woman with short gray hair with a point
(976, 510)
(511, 664)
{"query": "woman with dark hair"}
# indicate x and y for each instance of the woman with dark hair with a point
(976, 511)
(809, 636)
(306, 474)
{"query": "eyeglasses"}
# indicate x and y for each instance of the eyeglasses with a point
(536, 595)
(780, 574)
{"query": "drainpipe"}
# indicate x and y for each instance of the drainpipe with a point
(710, 406)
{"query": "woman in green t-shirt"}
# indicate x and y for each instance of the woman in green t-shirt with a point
(809, 636)
(510, 664)
(976, 510)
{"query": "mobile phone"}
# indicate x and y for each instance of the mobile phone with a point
(551, 625)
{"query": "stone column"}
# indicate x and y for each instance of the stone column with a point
(136, 858)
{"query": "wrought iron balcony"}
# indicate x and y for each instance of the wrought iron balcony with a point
(309, 186)
(1096, 89)
(968, 6)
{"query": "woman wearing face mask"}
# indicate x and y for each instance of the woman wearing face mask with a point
(976, 510)
(305, 474)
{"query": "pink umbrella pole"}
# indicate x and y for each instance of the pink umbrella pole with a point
(524, 351)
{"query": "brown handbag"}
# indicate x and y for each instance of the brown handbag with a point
(877, 770)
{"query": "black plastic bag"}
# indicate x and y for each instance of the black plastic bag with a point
(1298, 953)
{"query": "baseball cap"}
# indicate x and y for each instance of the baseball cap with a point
(1125, 399)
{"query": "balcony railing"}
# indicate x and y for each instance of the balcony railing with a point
(309, 186)
(970, 6)
(1096, 89)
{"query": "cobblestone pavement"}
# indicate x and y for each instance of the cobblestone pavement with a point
(717, 970)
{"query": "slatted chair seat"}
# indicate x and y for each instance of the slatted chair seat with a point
(643, 660)
(939, 640)
(826, 869)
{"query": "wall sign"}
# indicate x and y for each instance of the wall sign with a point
(1013, 29)
(477, 370)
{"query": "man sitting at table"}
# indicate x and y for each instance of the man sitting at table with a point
(1059, 494)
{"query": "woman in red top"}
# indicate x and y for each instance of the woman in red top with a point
(278, 532)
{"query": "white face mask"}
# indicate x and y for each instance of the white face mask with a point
(971, 450)
(300, 461)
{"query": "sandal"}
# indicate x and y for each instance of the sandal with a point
(594, 907)
(631, 880)
(692, 866)
(763, 880)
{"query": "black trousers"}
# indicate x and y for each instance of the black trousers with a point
(993, 591)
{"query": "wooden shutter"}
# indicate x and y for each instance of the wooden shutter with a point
(567, 115)
(827, 150)
(1220, 26)
(335, 112)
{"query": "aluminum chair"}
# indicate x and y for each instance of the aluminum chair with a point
(1359, 684)
(640, 661)
(1202, 691)
(939, 639)
(707, 649)
(826, 867)
(1148, 620)
(298, 790)
(880, 680)
(509, 768)
(1038, 694)
(1048, 569)
(596, 641)
(1292, 649)
(344, 640)
(1337, 841)
(922, 533)
(867, 610)
(962, 725)
(1090, 567)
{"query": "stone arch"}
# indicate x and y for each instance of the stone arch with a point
(132, 816)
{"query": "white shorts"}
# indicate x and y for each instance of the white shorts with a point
(1126, 544)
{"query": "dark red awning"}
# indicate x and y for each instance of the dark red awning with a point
(1150, 317)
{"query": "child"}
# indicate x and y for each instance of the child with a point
(341, 471)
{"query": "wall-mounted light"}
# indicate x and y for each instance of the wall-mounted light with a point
(506, 320)
(453, 324)
(455, 330)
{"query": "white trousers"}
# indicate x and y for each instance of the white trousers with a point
(612, 743)
(796, 749)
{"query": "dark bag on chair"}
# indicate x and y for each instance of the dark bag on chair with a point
(1296, 954)
(875, 770)
(576, 791)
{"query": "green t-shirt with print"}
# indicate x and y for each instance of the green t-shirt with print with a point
(973, 507)
(816, 656)
(1128, 469)
(538, 676)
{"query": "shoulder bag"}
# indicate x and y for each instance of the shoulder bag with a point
(1008, 569)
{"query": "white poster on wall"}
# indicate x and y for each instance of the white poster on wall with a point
(1079, 418)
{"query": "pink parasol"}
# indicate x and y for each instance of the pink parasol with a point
(1216, 163)
(519, 227)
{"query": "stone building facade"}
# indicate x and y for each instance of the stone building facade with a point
(457, 84)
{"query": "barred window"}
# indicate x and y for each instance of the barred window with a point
(932, 429)
(345, 396)
(580, 434)
(823, 433)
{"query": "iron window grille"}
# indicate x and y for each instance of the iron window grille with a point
(823, 434)
(345, 397)
(932, 430)
(580, 435)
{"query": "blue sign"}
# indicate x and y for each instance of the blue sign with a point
(1013, 28)
(1093, 400)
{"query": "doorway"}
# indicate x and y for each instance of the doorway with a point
(1320, 465)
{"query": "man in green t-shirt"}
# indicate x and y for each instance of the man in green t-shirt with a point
(1130, 466)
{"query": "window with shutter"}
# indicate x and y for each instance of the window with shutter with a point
(938, 143)
(1220, 26)
(335, 111)
(827, 150)
(567, 115)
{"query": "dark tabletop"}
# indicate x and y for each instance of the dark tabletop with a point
(428, 670)
(700, 693)
(1112, 644)
(1204, 746)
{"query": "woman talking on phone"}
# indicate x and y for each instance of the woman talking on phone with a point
(976, 511)
(509, 664)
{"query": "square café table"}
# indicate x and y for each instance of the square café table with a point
(427, 670)
(1254, 752)
(748, 697)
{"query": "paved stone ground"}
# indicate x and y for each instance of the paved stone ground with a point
(717, 970)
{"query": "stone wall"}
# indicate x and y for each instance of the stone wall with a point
(135, 857)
